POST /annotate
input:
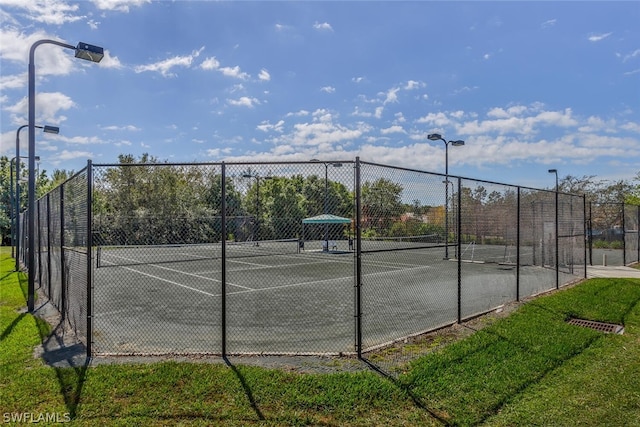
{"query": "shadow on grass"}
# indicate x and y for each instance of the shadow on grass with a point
(68, 360)
(407, 389)
(247, 389)
(12, 325)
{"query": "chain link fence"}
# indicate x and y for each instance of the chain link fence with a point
(612, 233)
(340, 257)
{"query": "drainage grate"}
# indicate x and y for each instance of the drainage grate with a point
(607, 328)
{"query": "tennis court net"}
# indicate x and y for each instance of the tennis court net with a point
(387, 244)
(130, 255)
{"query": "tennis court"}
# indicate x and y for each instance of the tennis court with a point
(279, 299)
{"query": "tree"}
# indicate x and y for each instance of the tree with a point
(381, 205)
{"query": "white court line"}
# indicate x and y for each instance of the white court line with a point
(169, 281)
(293, 285)
(321, 260)
(175, 271)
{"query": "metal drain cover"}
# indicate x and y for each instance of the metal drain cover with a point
(607, 328)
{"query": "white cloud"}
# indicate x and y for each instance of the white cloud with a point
(81, 140)
(264, 75)
(324, 26)
(50, 12)
(357, 79)
(413, 85)
(435, 119)
(265, 126)
(164, 67)
(599, 37)
(110, 61)
(118, 5)
(518, 125)
(635, 53)
(14, 81)
(234, 72)
(244, 101)
(130, 128)
(549, 23)
(213, 64)
(631, 126)
(328, 89)
(597, 124)
(300, 113)
(281, 27)
(49, 60)
(66, 155)
(392, 95)
(392, 129)
(210, 64)
(49, 106)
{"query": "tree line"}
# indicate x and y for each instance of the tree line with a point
(145, 201)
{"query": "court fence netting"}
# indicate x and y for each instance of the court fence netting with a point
(324, 257)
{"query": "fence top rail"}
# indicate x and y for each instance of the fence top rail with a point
(301, 162)
(74, 176)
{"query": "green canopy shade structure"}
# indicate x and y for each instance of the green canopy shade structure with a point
(324, 219)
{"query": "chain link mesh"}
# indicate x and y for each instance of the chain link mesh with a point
(631, 233)
(606, 233)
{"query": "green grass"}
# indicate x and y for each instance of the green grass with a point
(530, 368)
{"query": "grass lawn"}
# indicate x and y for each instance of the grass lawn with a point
(530, 368)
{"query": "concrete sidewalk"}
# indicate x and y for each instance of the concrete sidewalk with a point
(612, 271)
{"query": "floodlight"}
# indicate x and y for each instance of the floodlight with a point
(89, 52)
(51, 129)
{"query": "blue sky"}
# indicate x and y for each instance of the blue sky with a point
(528, 86)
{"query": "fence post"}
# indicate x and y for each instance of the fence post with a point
(557, 243)
(459, 249)
(638, 232)
(358, 284)
(49, 245)
(89, 258)
(590, 233)
(624, 237)
(584, 225)
(63, 275)
(223, 282)
(39, 252)
(518, 246)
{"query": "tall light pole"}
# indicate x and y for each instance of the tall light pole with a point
(326, 197)
(456, 143)
(82, 51)
(46, 129)
(257, 178)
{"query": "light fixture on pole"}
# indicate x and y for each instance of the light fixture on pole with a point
(326, 197)
(45, 129)
(257, 178)
(84, 51)
(456, 143)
